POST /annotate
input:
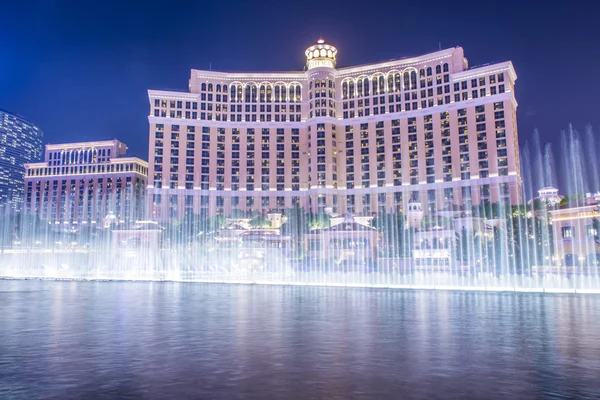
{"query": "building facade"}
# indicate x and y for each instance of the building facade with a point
(575, 235)
(353, 140)
(20, 143)
(347, 242)
(82, 183)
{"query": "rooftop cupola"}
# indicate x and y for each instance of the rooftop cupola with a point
(320, 54)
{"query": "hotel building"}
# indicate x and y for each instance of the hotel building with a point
(82, 183)
(20, 143)
(355, 139)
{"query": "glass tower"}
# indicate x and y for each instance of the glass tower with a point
(20, 143)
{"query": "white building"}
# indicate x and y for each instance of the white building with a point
(355, 139)
(81, 183)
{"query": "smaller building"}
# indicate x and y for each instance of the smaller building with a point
(575, 233)
(141, 234)
(252, 249)
(347, 242)
(434, 249)
(81, 183)
(437, 237)
(549, 196)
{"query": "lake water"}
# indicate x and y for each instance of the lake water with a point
(139, 340)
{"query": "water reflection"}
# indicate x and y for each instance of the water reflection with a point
(159, 340)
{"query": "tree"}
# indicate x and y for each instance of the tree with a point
(319, 221)
(296, 223)
(296, 226)
(215, 224)
(236, 213)
(260, 221)
(391, 226)
(472, 248)
(462, 246)
(430, 221)
(573, 199)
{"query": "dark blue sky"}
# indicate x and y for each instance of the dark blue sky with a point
(82, 72)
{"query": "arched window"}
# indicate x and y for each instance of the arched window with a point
(429, 71)
(247, 94)
(345, 90)
(203, 86)
(413, 80)
(438, 69)
(298, 95)
(374, 81)
(359, 88)
(283, 93)
(406, 81)
(232, 93)
(218, 87)
(422, 73)
(351, 89)
(254, 90)
(398, 80)
(366, 88)
(390, 83)
(262, 93)
(277, 93)
(239, 93)
(269, 93)
(446, 67)
(381, 84)
(210, 87)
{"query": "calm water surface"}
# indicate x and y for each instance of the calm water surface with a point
(94, 340)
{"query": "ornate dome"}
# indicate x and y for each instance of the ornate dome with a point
(320, 55)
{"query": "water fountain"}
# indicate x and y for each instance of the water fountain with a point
(492, 247)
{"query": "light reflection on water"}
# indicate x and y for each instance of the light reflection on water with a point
(158, 340)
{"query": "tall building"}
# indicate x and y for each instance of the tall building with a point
(82, 183)
(358, 139)
(20, 143)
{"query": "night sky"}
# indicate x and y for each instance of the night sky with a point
(82, 72)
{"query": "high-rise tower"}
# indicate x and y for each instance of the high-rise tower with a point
(20, 143)
(359, 139)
